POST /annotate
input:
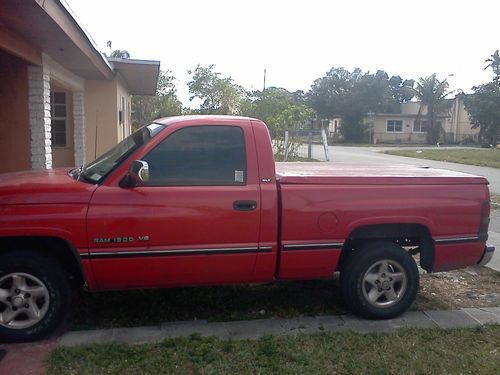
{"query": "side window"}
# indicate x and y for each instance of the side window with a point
(199, 156)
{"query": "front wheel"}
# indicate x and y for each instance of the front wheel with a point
(379, 280)
(34, 296)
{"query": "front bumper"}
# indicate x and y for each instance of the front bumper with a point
(487, 255)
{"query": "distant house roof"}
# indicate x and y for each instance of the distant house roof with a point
(406, 115)
(412, 109)
(50, 26)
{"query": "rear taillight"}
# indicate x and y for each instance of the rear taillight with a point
(485, 219)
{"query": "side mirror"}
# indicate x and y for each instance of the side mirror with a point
(138, 174)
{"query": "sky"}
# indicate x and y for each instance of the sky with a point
(299, 41)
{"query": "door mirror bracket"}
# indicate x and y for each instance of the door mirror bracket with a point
(137, 175)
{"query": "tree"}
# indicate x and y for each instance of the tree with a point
(483, 107)
(351, 95)
(401, 90)
(218, 95)
(494, 64)
(266, 104)
(122, 54)
(281, 110)
(431, 93)
(164, 103)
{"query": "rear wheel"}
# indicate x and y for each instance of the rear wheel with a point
(34, 296)
(379, 281)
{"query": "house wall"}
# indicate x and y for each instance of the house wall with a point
(380, 134)
(123, 104)
(461, 126)
(101, 117)
(456, 125)
(14, 116)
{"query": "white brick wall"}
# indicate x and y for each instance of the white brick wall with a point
(39, 112)
(79, 126)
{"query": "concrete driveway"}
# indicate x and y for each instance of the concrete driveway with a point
(375, 155)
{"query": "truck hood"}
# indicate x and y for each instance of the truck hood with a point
(373, 174)
(42, 187)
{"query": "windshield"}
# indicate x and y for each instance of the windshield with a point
(96, 171)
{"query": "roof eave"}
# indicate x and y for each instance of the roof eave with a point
(141, 76)
(62, 15)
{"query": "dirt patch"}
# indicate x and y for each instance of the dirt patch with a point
(470, 287)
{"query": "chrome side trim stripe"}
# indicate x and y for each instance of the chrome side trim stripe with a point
(265, 249)
(174, 252)
(444, 241)
(315, 246)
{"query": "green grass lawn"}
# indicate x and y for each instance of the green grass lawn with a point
(484, 158)
(461, 351)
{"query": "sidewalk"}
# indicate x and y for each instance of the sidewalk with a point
(27, 358)
(494, 239)
(251, 329)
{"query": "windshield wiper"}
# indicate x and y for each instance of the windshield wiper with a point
(80, 172)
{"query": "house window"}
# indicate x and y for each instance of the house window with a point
(394, 126)
(423, 126)
(58, 118)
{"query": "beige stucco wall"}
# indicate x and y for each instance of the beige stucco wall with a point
(462, 127)
(123, 128)
(102, 106)
(101, 117)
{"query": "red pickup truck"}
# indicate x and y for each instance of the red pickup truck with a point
(200, 201)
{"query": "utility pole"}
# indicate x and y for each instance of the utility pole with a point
(264, 80)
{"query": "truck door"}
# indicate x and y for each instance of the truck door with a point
(196, 221)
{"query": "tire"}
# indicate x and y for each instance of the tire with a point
(34, 296)
(380, 280)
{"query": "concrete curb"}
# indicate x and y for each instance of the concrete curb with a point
(252, 329)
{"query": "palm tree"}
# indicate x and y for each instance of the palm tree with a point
(494, 63)
(431, 93)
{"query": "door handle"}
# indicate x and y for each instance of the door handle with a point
(244, 205)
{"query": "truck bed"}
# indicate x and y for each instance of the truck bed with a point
(351, 174)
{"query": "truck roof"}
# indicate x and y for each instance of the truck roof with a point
(210, 119)
(375, 174)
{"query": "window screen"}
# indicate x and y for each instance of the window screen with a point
(198, 156)
(394, 126)
(58, 118)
